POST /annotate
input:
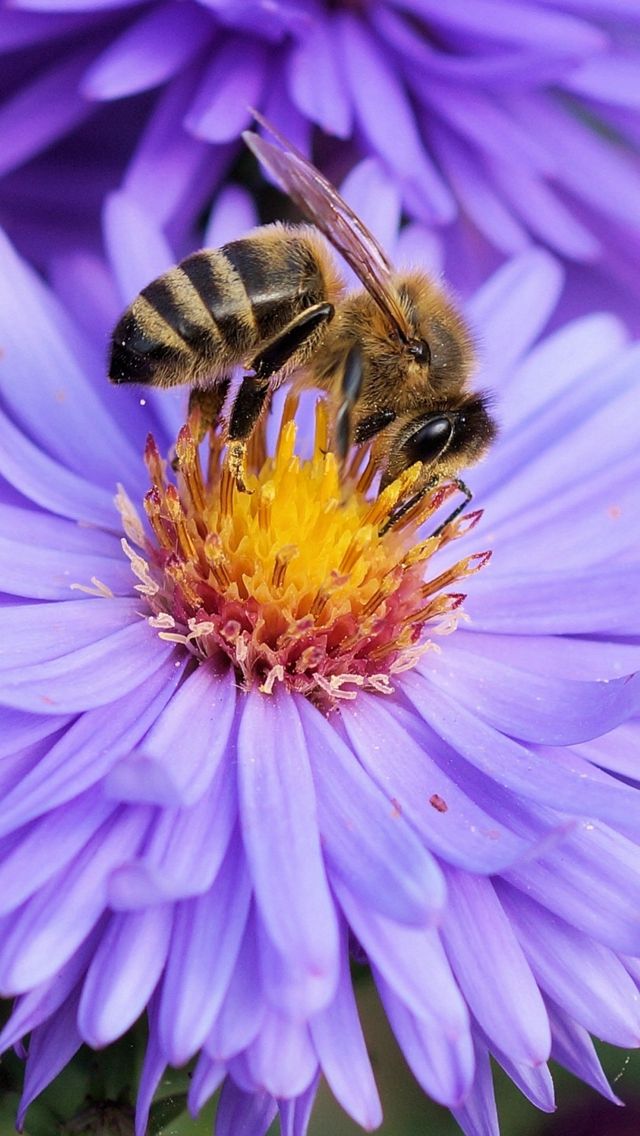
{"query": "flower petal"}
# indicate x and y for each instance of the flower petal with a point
(50, 395)
(203, 710)
(88, 749)
(583, 977)
(316, 82)
(506, 1003)
(149, 52)
(243, 1007)
(441, 1061)
(184, 851)
(462, 834)
(123, 973)
(48, 928)
(280, 831)
(27, 864)
(573, 1048)
(232, 83)
(249, 1113)
(51, 1047)
(593, 884)
(204, 946)
(339, 1042)
(365, 842)
(67, 684)
(50, 485)
(405, 956)
(281, 1057)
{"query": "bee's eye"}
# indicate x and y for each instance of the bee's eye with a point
(429, 440)
(420, 350)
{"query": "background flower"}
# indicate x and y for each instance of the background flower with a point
(477, 832)
(498, 123)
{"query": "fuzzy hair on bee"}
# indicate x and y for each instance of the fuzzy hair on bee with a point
(394, 356)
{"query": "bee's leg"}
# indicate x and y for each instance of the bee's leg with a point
(459, 508)
(251, 397)
(208, 402)
(350, 389)
(245, 412)
(291, 339)
(404, 508)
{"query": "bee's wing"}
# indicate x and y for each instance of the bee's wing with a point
(323, 205)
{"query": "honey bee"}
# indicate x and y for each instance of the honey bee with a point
(394, 356)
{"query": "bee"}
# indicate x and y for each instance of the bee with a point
(394, 356)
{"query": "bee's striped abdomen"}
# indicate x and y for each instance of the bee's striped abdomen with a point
(218, 308)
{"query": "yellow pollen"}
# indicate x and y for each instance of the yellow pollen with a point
(301, 577)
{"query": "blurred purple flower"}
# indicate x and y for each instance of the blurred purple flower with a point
(169, 843)
(500, 122)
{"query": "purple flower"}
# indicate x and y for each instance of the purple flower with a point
(176, 843)
(498, 123)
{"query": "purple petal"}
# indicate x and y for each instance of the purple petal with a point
(51, 1047)
(342, 1052)
(366, 842)
(68, 684)
(280, 830)
(27, 864)
(20, 730)
(511, 309)
(123, 973)
(295, 1114)
(246, 1113)
(137, 249)
(48, 928)
(583, 977)
(232, 83)
(535, 1082)
(591, 167)
(203, 710)
(169, 166)
(152, 1069)
(478, 1115)
(390, 125)
(38, 632)
(518, 701)
(441, 1061)
(204, 946)
(50, 485)
(42, 111)
(405, 770)
(412, 962)
(544, 212)
(563, 357)
(50, 394)
(476, 193)
(508, 1004)
(316, 82)
(149, 52)
(37, 572)
(42, 1002)
(485, 124)
(526, 25)
(207, 1077)
(573, 1048)
(281, 1058)
(593, 885)
(242, 1009)
(184, 851)
(233, 215)
(88, 749)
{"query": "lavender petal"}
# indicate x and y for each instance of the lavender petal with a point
(280, 831)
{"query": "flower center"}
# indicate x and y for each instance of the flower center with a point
(301, 579)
